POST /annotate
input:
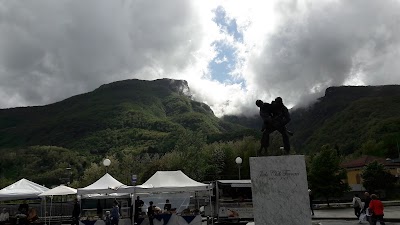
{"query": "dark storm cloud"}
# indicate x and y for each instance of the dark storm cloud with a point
(330, 43)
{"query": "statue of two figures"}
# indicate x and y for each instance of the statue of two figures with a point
(275, 116)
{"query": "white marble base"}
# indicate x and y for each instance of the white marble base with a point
(280, 190)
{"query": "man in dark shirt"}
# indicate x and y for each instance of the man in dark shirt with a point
(150, 213)
(167, 206)
(76, 212)
(138, 208)
(23, 208)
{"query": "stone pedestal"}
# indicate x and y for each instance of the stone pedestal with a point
(280, 190)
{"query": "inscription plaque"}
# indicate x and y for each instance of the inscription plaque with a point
(280, 190)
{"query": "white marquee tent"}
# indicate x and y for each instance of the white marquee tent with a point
(22, 189)
(60, 190)
(171, 181)
(106, 185)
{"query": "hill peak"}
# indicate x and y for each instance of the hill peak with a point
(356, 92)
(178, 86)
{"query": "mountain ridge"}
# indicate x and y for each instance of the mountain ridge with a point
(145, 126)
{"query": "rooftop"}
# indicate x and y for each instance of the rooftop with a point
(366, 159)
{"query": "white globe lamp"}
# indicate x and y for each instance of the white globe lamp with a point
(239, 161)
(106, 163)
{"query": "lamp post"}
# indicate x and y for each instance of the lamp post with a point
(69, 174)
(106, 163)
(239, 161)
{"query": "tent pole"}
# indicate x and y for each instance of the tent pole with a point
(51, 205)
(133, 205)
(197, 199)
(45, 216)
(211, 208)
(61, 213)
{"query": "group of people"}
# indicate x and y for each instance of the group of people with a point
(372, 208)
(152, 210)
(4, 216)
(275, 116)
(25, 215)
(111, 218)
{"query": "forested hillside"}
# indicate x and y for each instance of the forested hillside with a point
(135, 114)
(127, 120)
(145, 126)
(361, 120)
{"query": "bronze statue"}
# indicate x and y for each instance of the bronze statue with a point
(275, 116)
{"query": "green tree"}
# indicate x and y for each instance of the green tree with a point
(325, 176)
(376, 177)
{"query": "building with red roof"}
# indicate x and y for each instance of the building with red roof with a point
(354, 169)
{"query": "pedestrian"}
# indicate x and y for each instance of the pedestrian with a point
(108, 218)
(115, 214)
(150, 213)
(311, 196)
(365, 209)
(138, 208)
(357, 205)
(4, 217)
(76, 212)
(99, 209)
(376, 208)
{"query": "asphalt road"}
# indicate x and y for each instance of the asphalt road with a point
(346, 222)
(336, 222)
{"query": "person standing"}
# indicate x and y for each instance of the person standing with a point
(138, 208)
(115, 214)
(76, 213)
(357, 205)
(99, 209)
(23, 208)
(376, 208)
(167, 206)
(311, 196)
(150, 213)
(366, 205)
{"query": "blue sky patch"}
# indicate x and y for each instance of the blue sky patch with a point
(226, 24)
(224, 63)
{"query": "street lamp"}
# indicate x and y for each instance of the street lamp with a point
(69, 174)
(239, 161)
(106, 163)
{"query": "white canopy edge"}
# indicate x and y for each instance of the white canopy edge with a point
(60, 190)
(22, 189)
(171, 181)
(106, 185)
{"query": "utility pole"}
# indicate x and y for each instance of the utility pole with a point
(398, 150)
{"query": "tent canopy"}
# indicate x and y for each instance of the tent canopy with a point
(60, 190)
(105, 185)
(21, 189)
(105, 196)
(171, 181)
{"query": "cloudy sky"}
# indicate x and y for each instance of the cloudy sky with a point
(230, 52)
